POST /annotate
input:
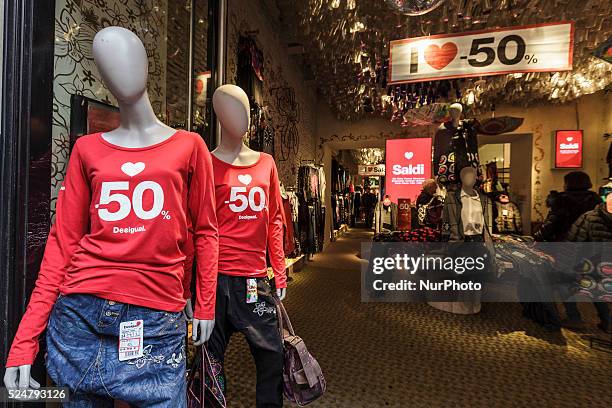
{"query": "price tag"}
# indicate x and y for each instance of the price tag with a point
(537, 48)
(251, 290)
(130, 339)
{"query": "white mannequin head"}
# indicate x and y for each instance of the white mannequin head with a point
(455, 111)
(122, 61)
(468, 177)
(231, 105)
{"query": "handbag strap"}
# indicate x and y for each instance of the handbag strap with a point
(197, 367)
(283, 317)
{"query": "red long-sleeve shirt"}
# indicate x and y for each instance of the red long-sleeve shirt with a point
(249, 212)
(121, 231)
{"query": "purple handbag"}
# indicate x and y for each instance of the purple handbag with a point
(303, 380)
(203, 389)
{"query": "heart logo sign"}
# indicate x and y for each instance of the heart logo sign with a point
(245, 179)
(132, 169)
(409, 155)
(570, 138)
(439, 57)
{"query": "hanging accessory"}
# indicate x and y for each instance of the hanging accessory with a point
(303, 380)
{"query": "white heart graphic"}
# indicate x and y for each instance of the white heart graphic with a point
(245, 179)
(132, 169)
(409, 155)
(570, 138)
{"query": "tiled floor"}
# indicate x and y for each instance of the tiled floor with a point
(411, 355)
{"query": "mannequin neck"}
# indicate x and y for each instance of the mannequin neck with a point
(232, 150)
(468, 189)
(139, 127)
(231, 146)
(456, 121)
(138, 117)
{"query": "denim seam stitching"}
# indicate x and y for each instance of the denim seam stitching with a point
(104, 385)
(76, 387)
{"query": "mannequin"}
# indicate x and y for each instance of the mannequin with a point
(385, 215)
(122, 62)
(467, 217)
(455, 147)
(508, 216)
(250, 214)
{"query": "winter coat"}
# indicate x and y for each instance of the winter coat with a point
(565, 208)
(592, 226)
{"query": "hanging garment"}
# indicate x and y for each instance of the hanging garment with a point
(508, 219)
(429, 210)
(454, 149)
(322, 184)
(100, 242)
(289, 238)
(249, 213)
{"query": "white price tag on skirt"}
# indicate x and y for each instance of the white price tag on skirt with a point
(131, 336)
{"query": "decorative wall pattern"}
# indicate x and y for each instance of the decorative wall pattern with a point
(538, 204)
(76, 23)
(423, 131)
(290, 103)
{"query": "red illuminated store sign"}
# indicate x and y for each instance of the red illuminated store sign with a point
(568, 149)
(408, 164)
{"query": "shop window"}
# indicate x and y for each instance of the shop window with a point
(177, 70)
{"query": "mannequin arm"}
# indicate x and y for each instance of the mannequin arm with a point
(276, 232)
(19, 377)
(202, 204)
(71, 224)
(202, 329)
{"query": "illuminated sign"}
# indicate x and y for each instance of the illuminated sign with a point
(536, 48)
(404, 216)
(568, 149)
(408, 163)
(374, 170)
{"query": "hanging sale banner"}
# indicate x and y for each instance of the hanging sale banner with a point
(371, 170)
(535, 48)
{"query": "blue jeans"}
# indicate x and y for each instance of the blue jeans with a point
(82, 354)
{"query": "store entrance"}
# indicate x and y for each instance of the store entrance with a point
(508, 166)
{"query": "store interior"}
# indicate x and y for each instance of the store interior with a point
(333, 56)
(317, 76)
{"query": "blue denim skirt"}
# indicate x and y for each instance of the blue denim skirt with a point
(82, 354)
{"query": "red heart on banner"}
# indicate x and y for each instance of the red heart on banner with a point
(439, 57)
